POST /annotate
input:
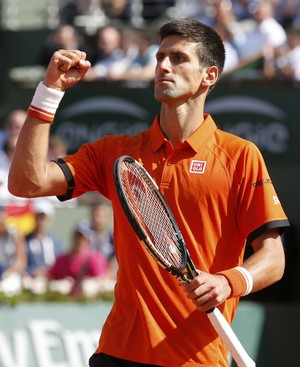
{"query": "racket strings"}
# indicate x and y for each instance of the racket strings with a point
(152, 216)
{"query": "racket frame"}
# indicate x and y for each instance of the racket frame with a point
(138, 228)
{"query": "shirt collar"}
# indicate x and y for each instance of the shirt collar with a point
(156, 134)
(204, 131)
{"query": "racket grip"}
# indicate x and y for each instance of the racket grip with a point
(231, 341)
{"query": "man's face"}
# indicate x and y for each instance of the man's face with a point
(109, 40)
(178, 74)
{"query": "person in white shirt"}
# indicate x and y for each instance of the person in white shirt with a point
(259, 36)
(287, 65)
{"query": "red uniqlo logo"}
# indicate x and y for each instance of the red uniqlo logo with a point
(198, 166)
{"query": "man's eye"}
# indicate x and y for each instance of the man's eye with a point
(159, 58)
(177, 58)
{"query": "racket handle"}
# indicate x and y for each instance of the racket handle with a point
(231, 341)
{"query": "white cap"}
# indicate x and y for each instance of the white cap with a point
(83, 227)
(43, 206)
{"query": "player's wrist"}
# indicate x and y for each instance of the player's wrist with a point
(45, 102)
(240, 281)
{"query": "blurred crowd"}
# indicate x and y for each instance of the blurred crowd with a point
(31, 256)
(37, 260)
(263, 33)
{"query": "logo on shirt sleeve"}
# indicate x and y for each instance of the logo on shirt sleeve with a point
(197, 166)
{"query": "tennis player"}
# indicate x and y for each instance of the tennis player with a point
(216, 184)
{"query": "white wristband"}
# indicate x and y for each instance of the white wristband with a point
(45, 102)
(248, 279)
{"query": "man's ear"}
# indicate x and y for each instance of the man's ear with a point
(210, 76)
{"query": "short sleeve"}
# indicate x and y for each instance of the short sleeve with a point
(259, 207)
(83, 170)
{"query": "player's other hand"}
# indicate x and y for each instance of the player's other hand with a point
(207, 290)
(66, 68)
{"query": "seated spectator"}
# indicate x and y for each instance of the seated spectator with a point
(42, 246)
(252, 35)
(9, 146)
(8, 140)
(110, 54)
(18, 209)
(264, 14)
(12, 127)
(12, 248)
(64, 37)
(142, 66)
(286, 66)
(80, 261)
(101, 232)
(70, 10)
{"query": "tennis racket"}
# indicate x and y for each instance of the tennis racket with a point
(154, 224)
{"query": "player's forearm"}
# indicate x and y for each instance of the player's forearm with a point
(267, 264)
(28, 171)
(263, 268)
(30, 176)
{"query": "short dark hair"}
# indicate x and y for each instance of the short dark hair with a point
(210, 47)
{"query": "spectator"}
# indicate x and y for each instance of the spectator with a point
(267, 35)
(12, 248)
(12, 125)
(253, 37)
(18, 210)
(110, 54)
(72, 9)
(264, 14)
(64, 37)
(41, 245)
(8, 140)
(7, 153)
(287, 65)
(80, 261)
(142, 67)
(101, 232)
(6, 198)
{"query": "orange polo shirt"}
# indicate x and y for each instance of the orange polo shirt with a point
(219, 190)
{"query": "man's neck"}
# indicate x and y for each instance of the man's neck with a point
(179, 123)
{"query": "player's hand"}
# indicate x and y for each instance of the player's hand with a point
(207, 290)
(66, 68)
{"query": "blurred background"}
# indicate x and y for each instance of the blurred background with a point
(57, 315)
